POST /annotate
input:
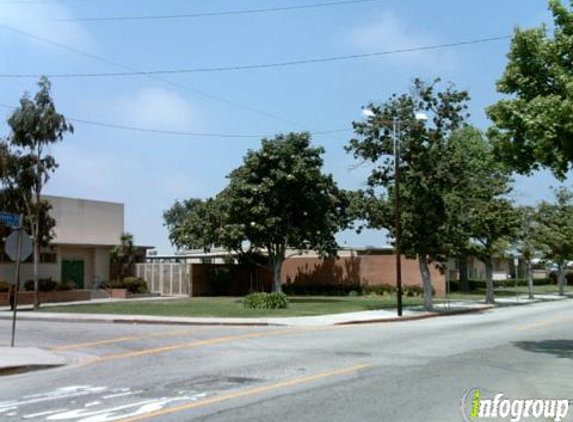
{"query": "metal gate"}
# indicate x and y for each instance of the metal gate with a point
(167, 279)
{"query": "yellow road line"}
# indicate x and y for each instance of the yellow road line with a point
(189, 345)
(248, 392)
(207, 342)
(89, 344)
(542, 324)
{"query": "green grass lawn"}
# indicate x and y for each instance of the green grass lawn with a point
(233, 307)
(298, 305)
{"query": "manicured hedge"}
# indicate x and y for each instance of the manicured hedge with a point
(131, 284)
(320, 289)
(481, 284)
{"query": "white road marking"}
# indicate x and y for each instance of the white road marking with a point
(49, 412)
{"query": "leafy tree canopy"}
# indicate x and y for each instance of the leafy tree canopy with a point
(278, 198)
(533, 127)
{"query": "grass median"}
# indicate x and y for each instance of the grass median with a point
(232, 307)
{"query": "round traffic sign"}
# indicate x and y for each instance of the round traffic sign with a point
(11, 246)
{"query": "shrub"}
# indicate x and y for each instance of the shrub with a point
(135, 285)
(265, 301)
(44, 285)
(112, 284)
(412, 291)
(320, 289)
(379, 289)
(4, 286)
(65, 286)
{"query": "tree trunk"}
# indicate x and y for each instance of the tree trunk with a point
(277, 263)
(427, 281)
(530, 278)
(561, 279)
(489, 297)
(463, 268)
(36, 235)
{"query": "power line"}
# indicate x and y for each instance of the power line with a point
(154, 77)
(260, 65)
(176, 132)
(220, 13)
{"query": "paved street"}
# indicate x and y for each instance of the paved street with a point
(410, 371)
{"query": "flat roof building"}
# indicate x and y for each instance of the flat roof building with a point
(85, 233)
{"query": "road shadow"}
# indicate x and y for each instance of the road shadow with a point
(558, 348)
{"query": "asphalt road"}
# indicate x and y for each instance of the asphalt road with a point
(408, 371)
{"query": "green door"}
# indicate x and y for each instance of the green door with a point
(73, 272)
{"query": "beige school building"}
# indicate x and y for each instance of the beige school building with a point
(85, 233)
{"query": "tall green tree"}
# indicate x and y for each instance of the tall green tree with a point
(525, 242)
(279, 198)
(554, 233)
(35, 126)
(190, 223)
(533, 126)
(481, 219)
(427, 178)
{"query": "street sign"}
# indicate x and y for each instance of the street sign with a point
(11, 246)
(10, 220)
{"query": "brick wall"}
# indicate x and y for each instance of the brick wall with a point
(365, 269)
(27, 298)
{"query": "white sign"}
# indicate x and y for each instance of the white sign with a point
(11, 246)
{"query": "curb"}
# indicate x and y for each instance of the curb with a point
(421, 317)
(139, 321)
(23, 369)
(92, 320)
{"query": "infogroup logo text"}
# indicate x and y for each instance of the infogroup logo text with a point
(475, 407)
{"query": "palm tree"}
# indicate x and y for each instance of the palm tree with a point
(124, 253)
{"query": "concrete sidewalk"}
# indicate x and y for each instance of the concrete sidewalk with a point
(22, 359)
(385, 315)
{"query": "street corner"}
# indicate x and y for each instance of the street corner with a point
(17, 360)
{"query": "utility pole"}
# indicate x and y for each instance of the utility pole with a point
(398, 212)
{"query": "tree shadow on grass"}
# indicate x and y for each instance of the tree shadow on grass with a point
(559, 348)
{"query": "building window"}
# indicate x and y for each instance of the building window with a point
(48, 258)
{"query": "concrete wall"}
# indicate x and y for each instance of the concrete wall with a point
(364, 269)
(101, 264)
(8, 271)
(85, 222)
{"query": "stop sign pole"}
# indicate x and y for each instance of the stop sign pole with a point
(20, 229)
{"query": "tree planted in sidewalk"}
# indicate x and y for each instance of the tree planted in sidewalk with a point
(525, 243)
(426, 174)
(481, 219)
(554, 233)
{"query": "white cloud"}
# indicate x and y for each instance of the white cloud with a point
(154, 108)
(388, 33)
(41, 20)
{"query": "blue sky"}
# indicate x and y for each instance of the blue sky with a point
(148, 172)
